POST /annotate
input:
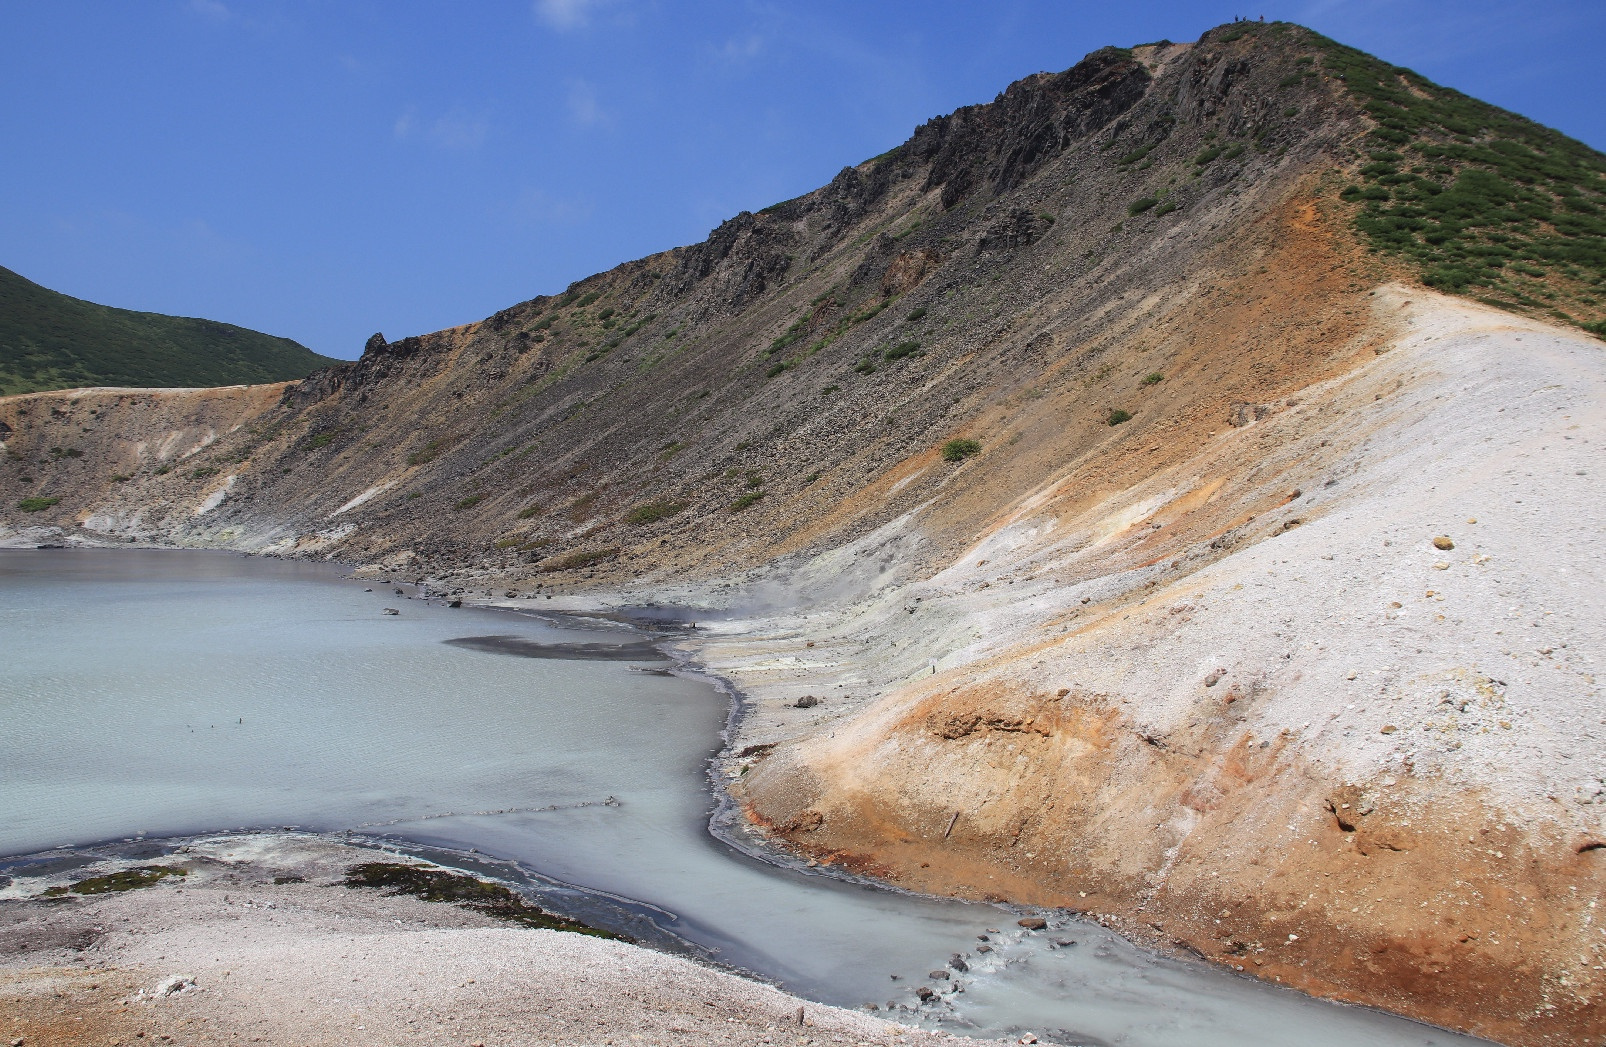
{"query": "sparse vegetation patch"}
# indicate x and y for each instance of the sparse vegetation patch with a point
(653, 511)
(439, 885)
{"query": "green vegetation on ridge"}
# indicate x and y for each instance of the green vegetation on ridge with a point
(1479, 200)
(51, 341)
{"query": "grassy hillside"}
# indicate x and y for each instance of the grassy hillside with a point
(1478, 200)
(51, 341)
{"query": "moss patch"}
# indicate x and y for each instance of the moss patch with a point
(124, 880)
(438, 885)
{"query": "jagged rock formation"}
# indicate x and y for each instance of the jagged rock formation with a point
(1156, 643)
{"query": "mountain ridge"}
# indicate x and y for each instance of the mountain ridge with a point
(49, 340)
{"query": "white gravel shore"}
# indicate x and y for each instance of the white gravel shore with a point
(224, 955)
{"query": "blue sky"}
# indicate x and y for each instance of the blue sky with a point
(323, 170)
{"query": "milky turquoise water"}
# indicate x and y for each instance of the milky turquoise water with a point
(168, 693)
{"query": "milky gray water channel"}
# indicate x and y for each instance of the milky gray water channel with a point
(166, 693)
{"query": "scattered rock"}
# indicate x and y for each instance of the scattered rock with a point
(174, 985)
(1214, 677)
(1444, 543)
(1389, 728)
(390, 610)
(1247, 414)
(937, 975)
(957, 962)
(808, 701)
(1032, 923)
(925, 993)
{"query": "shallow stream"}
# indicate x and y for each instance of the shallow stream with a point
(160, 694)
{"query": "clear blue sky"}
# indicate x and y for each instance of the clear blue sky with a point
(323, 169)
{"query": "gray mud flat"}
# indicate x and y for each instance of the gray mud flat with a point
(523, 647)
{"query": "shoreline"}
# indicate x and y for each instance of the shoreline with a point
(726, 822)
(240, 936)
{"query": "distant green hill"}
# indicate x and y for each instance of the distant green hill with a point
(51, 341)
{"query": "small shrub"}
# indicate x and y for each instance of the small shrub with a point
(321, 440)
(959, 448)
(652, 512)
(1117, 416)
(669, 450)
(605, 313)
(811, 478)
(410, 494)
(201, 472)
(65, 452)
(529, 511)
(864, 367)
(1139, 206)
(1135, 155)
(901, 350)
(776, 369)
(470, 502)
(588, 299)
(37, 504)
(1209, 155)
(580, 558)
(830, 389)
(916, 315)
(121, 478)
(745, 501)
(1166, 208)
(1153, 378)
